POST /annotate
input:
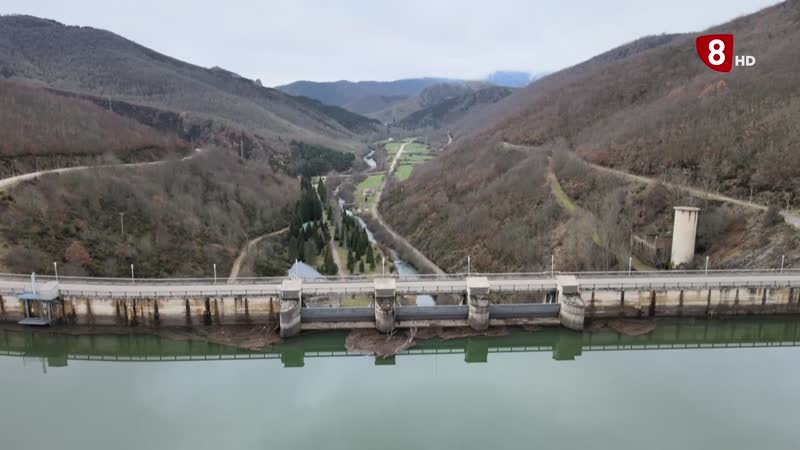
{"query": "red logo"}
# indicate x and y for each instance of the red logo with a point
(716, 51)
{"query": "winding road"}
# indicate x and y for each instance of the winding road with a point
(395, 235)
(449, 141)
(248, 247)
(790, 218)
(9, 182)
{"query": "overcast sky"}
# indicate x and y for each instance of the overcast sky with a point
(280, 41)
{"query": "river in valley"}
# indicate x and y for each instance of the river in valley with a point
(689, 385)
(402, 267)
(406, 270)
(369, 160)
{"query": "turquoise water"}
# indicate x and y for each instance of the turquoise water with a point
(550, 389)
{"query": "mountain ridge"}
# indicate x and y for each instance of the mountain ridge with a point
(649, 107)
(361, 96)
(98, 62)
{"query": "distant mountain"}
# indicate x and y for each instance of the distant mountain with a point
(96, 62)
(361, 96)
(448, 111)
(428, 97)
(510, 79)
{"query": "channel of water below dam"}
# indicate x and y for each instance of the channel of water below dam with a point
(403, 268)
(722, 384)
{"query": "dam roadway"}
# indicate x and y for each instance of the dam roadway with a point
(11, 284)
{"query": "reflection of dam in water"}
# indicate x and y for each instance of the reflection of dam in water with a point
(564, 344)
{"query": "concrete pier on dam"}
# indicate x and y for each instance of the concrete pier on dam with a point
(567, 299)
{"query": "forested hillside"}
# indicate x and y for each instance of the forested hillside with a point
(653, 108)
(426, 98)
(650, 107)
(360, 96)
(82, 96)
(98, 62)
(493, 205)
(180, 218)
(40, 126)
(452, 109)
(38, 122)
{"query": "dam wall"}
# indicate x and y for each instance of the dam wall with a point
(194, 311)
(637, 303)
(570, 305)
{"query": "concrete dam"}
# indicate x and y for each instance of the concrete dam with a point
(551, 298)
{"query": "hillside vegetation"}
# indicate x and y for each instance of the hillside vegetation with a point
(360, 96)
(100, 63)
(39, 125)
(493, 202)
(38, 122)
(450, 110)
(426, 98)
(180, 218)
(81, 96)
(653, 108)
(650, 107)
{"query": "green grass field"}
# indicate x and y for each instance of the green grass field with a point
(402, 172)
(393, 147)
(415, 148)
(413, 154)
(371, 182)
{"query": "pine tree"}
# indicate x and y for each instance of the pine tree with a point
(353, 242)
(326, 233)
(329, 267)
(292, 248)
(364, 242)
(300, 250)
(309, 251)
(370, 258)
(350, 260)
(322, 191)
(318, 241)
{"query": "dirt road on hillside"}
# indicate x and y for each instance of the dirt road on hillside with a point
(377, 215)
(790, 217)
(9, 182)
(248, 247)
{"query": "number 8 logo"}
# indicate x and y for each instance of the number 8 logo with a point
(717, 52)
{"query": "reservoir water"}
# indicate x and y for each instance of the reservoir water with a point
(689, 385)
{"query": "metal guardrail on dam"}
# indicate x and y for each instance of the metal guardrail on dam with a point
(417, 284)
